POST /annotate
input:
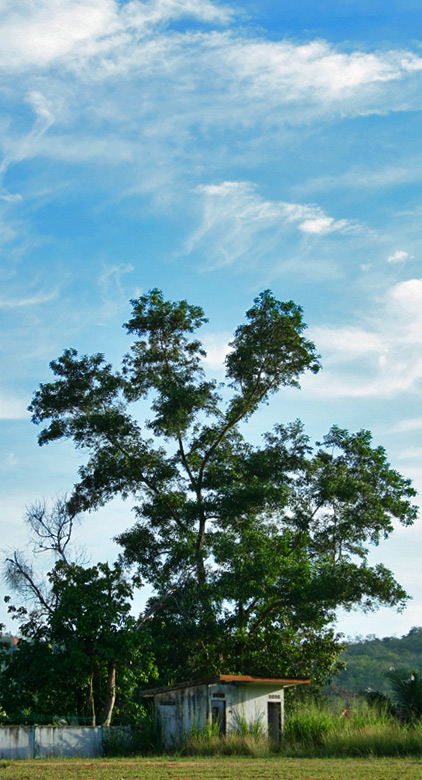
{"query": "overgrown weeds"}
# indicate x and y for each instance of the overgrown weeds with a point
(310, 731)
(313, 731)
(230, 745)
(246, 738)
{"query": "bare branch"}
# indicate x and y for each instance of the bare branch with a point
(20, 577)
(51, 531)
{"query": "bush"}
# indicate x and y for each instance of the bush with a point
(141, 739)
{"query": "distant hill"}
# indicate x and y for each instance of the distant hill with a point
(368, 659)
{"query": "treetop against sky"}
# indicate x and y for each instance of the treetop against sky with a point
(213, 150)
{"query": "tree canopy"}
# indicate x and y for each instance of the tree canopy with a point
(274, 536)
(79, 646)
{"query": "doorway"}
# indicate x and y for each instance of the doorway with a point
(274, 721)
(218, 716)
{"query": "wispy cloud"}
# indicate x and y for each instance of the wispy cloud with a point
(10, 197)
(235, 218)
(414, 424)
(69, 59)
(39, 34)
(12, 408)
(379, 358)
(33, 300)
(112, 275)
(113, 292)
(400, 256)
(411, 453)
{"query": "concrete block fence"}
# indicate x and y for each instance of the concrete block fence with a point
(45, 741)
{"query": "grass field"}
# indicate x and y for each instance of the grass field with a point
(223, 768)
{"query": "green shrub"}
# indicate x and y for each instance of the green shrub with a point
(142, 739)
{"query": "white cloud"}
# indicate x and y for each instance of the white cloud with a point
(407, 297)
(217, 348)
(317, 66)
(236, 218)
(112, 275)
(399, 377)
(13, 408)
(411, 453)
(404, 426)
(70, 58)
(404, 303)
(399, 257)
(39, 34)
(322, 225)
(379, 358)
(10, 197)
(348, 343)
(33, 300)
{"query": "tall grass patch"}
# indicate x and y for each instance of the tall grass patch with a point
(248, 738)
(316, 731)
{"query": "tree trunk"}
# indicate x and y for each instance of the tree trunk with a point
(90, 698)
(200, 566)
(110, 694)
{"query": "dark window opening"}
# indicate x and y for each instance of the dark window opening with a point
(218, 716)
(274, 721)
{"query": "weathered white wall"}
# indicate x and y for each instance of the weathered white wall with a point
(85, 741)
(16, 741)
(183, 710)
(248, 701)
(44, 741)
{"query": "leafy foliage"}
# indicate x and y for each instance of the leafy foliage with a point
(407, 690)
(274, 538)
(83, 652)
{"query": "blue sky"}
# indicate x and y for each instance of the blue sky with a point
(213, 150)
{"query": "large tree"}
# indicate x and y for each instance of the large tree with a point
(275, 535)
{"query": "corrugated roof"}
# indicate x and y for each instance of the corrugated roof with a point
(234, 679)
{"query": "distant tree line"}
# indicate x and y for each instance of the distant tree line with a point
(367, 660)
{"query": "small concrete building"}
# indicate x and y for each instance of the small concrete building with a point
(224, 701)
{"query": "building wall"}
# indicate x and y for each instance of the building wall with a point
(184, 710)
(248, 702)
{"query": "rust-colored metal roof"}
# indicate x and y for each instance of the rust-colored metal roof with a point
(233, 679)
